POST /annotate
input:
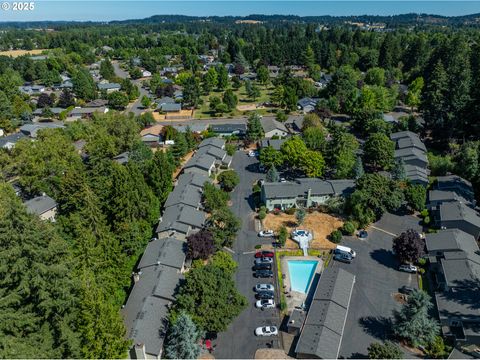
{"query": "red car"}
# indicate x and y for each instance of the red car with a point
(264, 253)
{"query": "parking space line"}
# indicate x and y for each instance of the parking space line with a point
(385, 231)
(249, 252)
(228, 249)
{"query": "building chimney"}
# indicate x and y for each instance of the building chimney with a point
(140, 351)
(136, 277)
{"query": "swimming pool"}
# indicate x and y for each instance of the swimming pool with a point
(301, 274)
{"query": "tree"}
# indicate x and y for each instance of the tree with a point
(272, 175)
(230, 99)
(336, 236)
(210, 80)
(358, 170)
(414, 92)
(117, 100)
(44, 100)
(228, 179)
(387, 350)
(253, 92)
(269, 157)
(224, 225)
(348, 228)
(208, 287)
(409, 246)
(66, 99)
(191, 91)
(254, 128)
(180, 147)
(433, 103)
(467, 160)
(183, 340)
(146, 101)
(300, 216)
(200, 245)
(315, 138)
(416, 196)
(214, 198)
(263, 75)
(106, 69)
(159, 175)
(375, 76)
(398, 172)
(312, 163)
(281, 116)
(379, 151)
(342, 153)
(83, 85)
(413, 323)
(222, 77)
(278, 96)
(293, 151)
(283, 235)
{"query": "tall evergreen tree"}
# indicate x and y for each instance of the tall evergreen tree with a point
(183, 339)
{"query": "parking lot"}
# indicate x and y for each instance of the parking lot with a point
(377, 280)
(239, 341)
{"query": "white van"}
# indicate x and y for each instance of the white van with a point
(347, 250)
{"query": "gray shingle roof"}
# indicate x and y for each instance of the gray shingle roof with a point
(269, 124)
(188, 195)
(408, 139)
(40, 204)
(416, 174)
(457, 211)
(445, 196)
(214, 151)
(213, 141)
(456, 183)
(108, 86)
(170, 252)
(239, 129)
(451, 240)
(170, 107)
(204, 162)
(181, 218)
(32, 129)
(301, 186)
(275, 143)
(408, 154)
(322, 333)
(7, 141)
(193, 179)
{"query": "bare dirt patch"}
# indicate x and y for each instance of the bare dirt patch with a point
(400, 298)
(246, 107)
(320, 224)
(17, 53)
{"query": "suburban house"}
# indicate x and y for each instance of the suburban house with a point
(97, 103)
(43, 206)
(152, 135)
(457, 215)
(303, 192)
(179, 221)
(79, 113)
(109, 87)
(229, 129)
(456, 184)
(455, 265)
(213, 141)
(31, 130)
(194, 128)
(272, 127)
(54, 110)
(169, 107)
(156, 280)
(275, 143)
(8, 142)
(31, 89)
(410, 149)
(307, 104)
(322, 332)
(295, 123)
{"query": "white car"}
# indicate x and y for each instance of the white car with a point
(298, 235)
(265, 304)
(408, 268)
(266, 233)
(264, 260)
(264, 287)
(252, 153)
(266, 331)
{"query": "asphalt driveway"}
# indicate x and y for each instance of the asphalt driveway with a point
(377, 280)
(239, 341)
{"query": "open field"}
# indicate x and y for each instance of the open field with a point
(17, 53)
(320, 224)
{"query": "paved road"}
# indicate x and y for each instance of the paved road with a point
(135, 107)
(377, 279)
(239, 340)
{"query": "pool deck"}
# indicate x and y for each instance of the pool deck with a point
(295, 298)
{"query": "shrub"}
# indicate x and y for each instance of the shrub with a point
(426, 220)
(282, 235)
(290, 211)
(229, 179)
(258, 246)
(348, 228)
(256, 189)
(421, 271)
(230, 149)
(424, 213)
(422, 261)
(262, 214)
(336, 236)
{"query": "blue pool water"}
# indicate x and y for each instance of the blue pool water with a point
(301, 274)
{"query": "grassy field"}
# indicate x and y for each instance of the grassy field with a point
(243, 100)
(17, 53)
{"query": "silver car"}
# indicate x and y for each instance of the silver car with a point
(264, 260)
(264, 287)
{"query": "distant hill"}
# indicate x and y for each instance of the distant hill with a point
(390, 21)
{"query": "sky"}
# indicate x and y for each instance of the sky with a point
(106, 10)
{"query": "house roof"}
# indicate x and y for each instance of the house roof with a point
(457, 184)
(170, 252)
(300, 187)
(170, 107)
(109, 86)
(451, 240)
(322, 332)
(7, 141)
(229, 128)
(214, 151)
(416, 174)
(32, 129)
(54, 110)
(192, 179)
(188, 195)
(87, 110)
(97, 103)
(269, 124)
(122, 158)
(180, 218)
(443, 195)
(411, 153)
(165, 100)
(275, 143)
(213, 141)
(204, 162)
(196, 128)
(457, 211)
(40, 204)
(304, 102)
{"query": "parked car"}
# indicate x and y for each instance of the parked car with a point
(264, 287)
(262, 266)
(408, 268)
(261, 168)
(343, 257)
(266, 233)
(264, 260)
(266, 331)
(283, 180)
(264, 253)
(362, 234)
(251, 153)
(263, 274)
(407, 290)
(262, 295)
(265, 304)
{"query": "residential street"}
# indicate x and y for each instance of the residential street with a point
(135, 107)
(239, 341)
